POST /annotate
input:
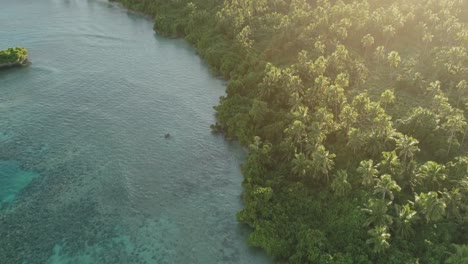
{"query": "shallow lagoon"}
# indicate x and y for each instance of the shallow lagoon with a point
(86, 173)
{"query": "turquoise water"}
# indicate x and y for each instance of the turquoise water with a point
(86, 173)
(12, 180)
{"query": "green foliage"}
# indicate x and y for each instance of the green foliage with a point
(376, 210)
(459, 256)
(405, 218)
(378, 239)
(431, 176)
(13, 55)
(367, 172)
(385, 186)
(432, 207)
(387, 97)
(340, 184)
(330, 149)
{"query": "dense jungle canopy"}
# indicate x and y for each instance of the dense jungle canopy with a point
(354, 116)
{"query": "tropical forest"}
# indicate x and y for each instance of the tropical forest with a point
(354, 115)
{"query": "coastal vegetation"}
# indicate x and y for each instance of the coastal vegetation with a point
(13, 56)
(354, 116)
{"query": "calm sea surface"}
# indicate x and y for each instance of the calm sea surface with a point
(86, 175)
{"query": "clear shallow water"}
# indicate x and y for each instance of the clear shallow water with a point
(86, 175)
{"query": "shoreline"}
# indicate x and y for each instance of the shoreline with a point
(16, 64)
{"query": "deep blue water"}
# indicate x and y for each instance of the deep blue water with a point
(86, 175)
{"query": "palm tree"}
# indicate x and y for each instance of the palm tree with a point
(325, 119)
(302, 114)
(389, 163)
(322, 161)
(430, 175)
(347, 117)
(316, 93)
(453, 200)
(378, 239)
(441, 106)
(405, 217)
(427, 39)
(315, 136)
(244, 37)
(386, 185)
(368, 172)
(340, 185)
(335, 98)
(387, 97)
(342, 80)
(270, 83)
(255, 146)
(389, 32)
(462, 88)
(376, 211)
(294, 84)
(379, 53)
(301, 165)
(367, 41)
(320, 66)
(380, 120)
(297, 132)
(455, 123)
(394, 59)
(258, 112)
(356, 140)
(375, 144)
(407, 147)
(431, 206)
(434, 88)
(362, 104)
(295, 102)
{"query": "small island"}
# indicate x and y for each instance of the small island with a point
(12, 57)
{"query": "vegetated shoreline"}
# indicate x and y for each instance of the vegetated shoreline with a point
(14, 57)
(118, 4)
(16, 64)
(360, 117)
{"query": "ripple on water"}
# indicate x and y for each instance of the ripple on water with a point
(153, 241)
(12, 180)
